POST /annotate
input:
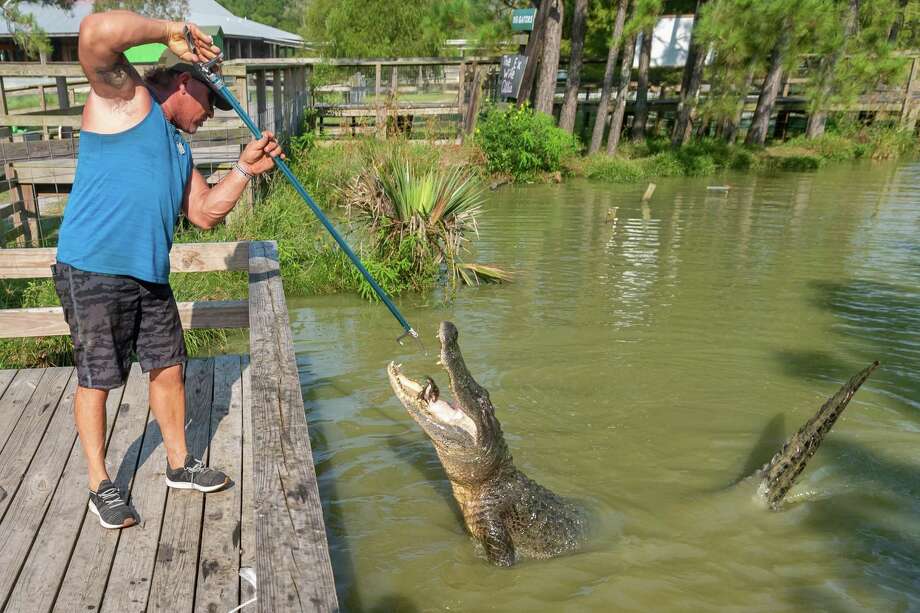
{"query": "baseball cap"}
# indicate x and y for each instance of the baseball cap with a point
(170, 60)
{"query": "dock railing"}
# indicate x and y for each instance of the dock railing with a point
(283, 533)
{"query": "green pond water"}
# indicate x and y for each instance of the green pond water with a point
(644, 365)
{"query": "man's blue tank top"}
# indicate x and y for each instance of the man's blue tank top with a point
(126, 198)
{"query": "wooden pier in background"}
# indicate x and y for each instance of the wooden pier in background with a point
(245, 414)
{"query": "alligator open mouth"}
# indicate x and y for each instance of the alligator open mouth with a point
(424, 400)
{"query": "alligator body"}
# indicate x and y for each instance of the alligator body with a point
(511, 515)
(514, 517)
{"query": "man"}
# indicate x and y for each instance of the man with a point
(134, 176)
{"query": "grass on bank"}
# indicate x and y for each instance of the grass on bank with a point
(655, 158)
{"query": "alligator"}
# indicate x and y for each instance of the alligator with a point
(509, 514)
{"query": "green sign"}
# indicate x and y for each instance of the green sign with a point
(150, 52)
(522, 19)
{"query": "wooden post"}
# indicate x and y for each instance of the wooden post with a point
(909, 106)
(380, 120)
(63, 97)
(277, 102)
(472, 110)
(3, 108)
(29, 218)
(241, 87)
(308, 93)
(260, 99)
(461, 85)
(288, 101)
(300, 98)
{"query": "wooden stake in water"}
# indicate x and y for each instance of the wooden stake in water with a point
(648, 192)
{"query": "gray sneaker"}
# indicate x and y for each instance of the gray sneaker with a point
(111, 509)
(194, 475)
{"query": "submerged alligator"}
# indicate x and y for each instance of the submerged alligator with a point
(511, 515)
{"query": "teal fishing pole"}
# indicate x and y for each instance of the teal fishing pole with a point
(217, 83)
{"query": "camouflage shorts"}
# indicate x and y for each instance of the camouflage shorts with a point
(113, 317)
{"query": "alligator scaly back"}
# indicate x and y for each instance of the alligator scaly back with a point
(780, 473)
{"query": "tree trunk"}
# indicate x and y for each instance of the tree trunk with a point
(533, 52)
(818, 119)
(549, 65)
(627, 55)
(690, 83)
(730, 128)
(640, 117)
(895, 29)
(597, 136)
(573, 81)
(769, 91)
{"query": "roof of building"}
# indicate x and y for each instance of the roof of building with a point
(66, 22)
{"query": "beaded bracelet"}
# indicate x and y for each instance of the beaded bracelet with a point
(239, 169)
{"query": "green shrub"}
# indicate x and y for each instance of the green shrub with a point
(802, 161)
(664, 164)
(614, 169)
(521, 143)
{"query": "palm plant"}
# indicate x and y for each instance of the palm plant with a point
(434, 208)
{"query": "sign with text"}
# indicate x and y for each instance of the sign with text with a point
(512, 73)
(522, 19)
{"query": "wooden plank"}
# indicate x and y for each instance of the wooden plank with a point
(61, 171)
(34, 150)
(253, 64)
(39, 69)
(23, 518)
(218, 570)
(6, 377)
(63, 94)
(32, 215)
(13, 403)
(128, 589)
(17, 454)
(184, 257)
(461, 77)
(260, 99)
(88, 569)
(49, 321)
(173, 585)
(277, 100)
(44, 568)
(288, 109)
(248, 530)
(426, 111)
(292, 557)
(379, 121)
(42, 120)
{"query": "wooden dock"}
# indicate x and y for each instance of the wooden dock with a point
(245, 415)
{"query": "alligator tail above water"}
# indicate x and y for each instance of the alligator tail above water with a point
(779, 474)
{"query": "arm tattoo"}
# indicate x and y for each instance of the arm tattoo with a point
(119, 74)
